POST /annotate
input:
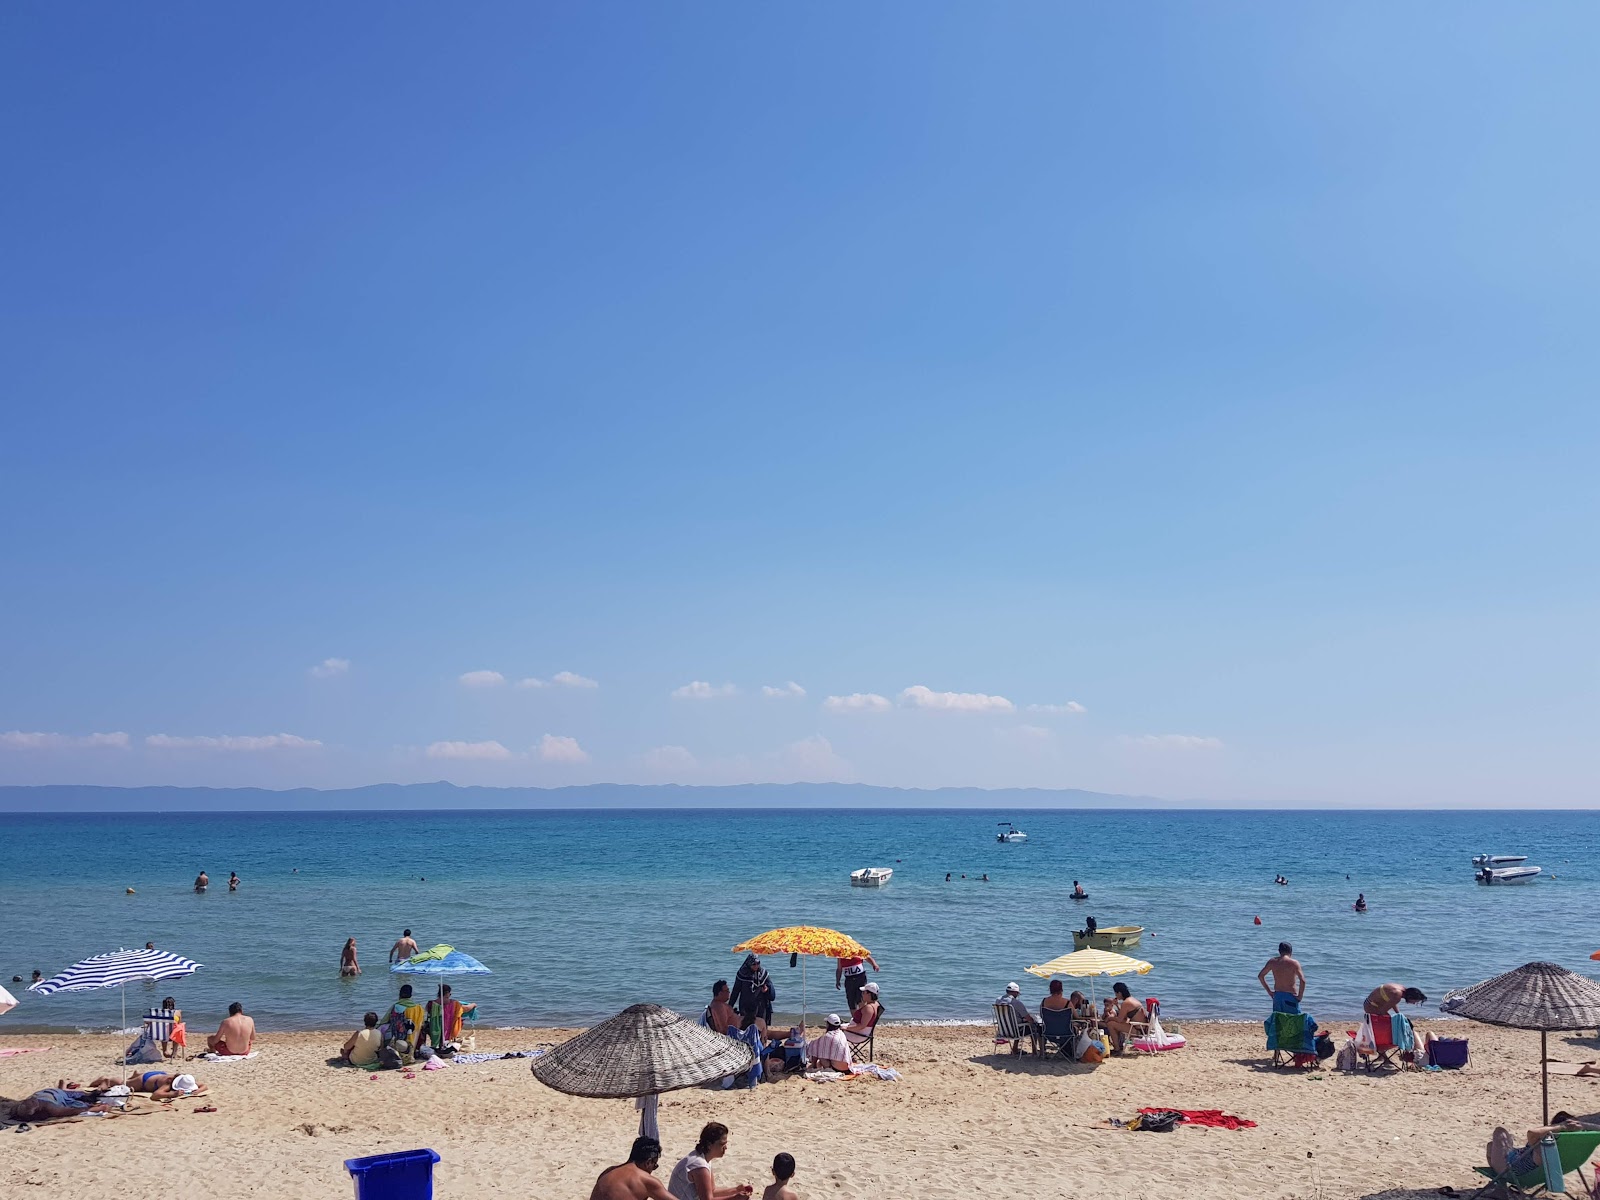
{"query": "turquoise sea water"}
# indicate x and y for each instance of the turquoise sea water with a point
(580, 914)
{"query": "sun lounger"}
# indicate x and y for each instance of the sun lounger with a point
(1575, 1148)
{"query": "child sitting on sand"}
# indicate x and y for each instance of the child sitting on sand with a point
(782, 1172)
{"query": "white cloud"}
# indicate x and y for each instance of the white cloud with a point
(1071, 707)
(789, 689)
(814, 760)
(857, 702)
(482, 679)
(18, 740)
(1173, 741)
(699, 689)
(330, 668)
(480, 751)
(531, 682)
(556, 749)
(228, 742)
(572, 679)
(670, 760)
(918, 696)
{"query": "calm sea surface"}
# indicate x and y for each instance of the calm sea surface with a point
(581, 914)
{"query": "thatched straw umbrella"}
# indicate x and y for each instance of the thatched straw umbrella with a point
(1538, 996)
(641, 1052)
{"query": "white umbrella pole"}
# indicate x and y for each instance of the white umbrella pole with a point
(124, 990)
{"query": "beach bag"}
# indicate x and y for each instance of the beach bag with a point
(1449, 1053)
(1092, 1053)
(1156, 1122)
(144, 1050)
(389, 1058)
(1347, 1056)
(1324, 1044)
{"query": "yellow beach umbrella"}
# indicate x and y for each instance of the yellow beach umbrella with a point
(1091, 964)
(804, 939)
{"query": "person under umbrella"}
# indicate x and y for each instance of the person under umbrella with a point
(753, 995)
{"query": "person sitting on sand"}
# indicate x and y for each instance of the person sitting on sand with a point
(782, 1172)
(720, 1015)
(692, 1179)
(1386, 998)
(634, 1179)
(1508, 1158)
(1288, 985)
(348, 966)
(830, 1051)
(57, 1103)
(402, 949)
(361, 1047)
(1121, 1015)
(236, 1036)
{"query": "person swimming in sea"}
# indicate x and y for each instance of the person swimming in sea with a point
(1361, 902)
(1077, 891)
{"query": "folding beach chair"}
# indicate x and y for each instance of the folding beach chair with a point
(1058, 1031)
(1576, 1148)
(165, 1028)
(858, 1039)
(1008, 1028)
(1375, 1044)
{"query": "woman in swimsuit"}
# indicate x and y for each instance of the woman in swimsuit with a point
(347, 960)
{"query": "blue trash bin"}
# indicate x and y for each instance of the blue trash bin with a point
(404, 1175)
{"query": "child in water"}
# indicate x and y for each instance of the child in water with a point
(782, 1172)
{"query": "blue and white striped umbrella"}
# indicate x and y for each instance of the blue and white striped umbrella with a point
(115, 970)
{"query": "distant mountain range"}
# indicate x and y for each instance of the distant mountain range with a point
(67, 798)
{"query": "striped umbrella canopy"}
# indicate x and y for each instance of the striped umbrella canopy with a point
(117, 969)
(1090, 965)
(1537, 995)
(815, 940)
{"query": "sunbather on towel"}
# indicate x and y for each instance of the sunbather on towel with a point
(1508, 1158)
(236, 1035)
(53, 1104)
(158, 1085)
(1121, 1015)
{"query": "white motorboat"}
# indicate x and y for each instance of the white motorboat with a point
(871, 876)
(1491, 875)
(1498, 860)
(1010, 833)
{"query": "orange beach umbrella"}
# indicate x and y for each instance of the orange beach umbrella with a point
(811, 940)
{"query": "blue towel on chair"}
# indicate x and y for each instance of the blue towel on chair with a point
(1400, 1032)
(750, 1037)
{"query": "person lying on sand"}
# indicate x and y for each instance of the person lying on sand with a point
(57, 1103)
(158, 1085)
(634, 1179)
(1508, 1158)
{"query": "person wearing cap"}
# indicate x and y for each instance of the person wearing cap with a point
(831, 1051)
(1026, 1025)
(865, 1015)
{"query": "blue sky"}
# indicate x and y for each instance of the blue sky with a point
(1224, 371)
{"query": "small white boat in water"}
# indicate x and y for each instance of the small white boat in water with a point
(1498, 860)
(871, 876)
(1492, 875)
(1010, 833)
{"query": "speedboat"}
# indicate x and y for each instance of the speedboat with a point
(1489, 875)
(1010, 833)
(1107, 937)
(871, 876)
(1497, 860)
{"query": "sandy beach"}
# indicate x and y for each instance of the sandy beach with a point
(963, 1122)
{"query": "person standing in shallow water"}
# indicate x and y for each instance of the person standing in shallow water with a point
(233, 881)
(347, 959)
(403, 949)
(201, 882)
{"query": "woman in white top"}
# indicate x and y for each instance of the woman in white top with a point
(692, 1178)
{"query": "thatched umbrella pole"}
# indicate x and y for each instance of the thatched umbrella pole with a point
(1544, 1072)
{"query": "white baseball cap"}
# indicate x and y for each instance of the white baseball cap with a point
(1011, 987)
(871, 987)
(833, 1021)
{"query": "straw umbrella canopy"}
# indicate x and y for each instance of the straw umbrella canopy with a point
(641, 1052)
(1540, 996)
(1090, 965)
(814, 940)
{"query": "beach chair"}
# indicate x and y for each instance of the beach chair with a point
(1058, 1031)
(165, 1028)
(1376, 1045)
(860, 1038)
(1576, 1148)
(1008, 1028)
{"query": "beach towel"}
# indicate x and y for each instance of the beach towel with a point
(1400, 1033)
(11, 1052)
(1292, 1032)
(221, 1058)
(483, 1058)
(1285, 1002)
(1211, 1118)
(750, 1037)
(875, 1071)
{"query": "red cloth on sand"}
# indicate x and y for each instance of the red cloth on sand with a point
(1215, 1118)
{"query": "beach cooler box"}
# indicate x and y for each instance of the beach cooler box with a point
(405, 1175)
(1450, 1053)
